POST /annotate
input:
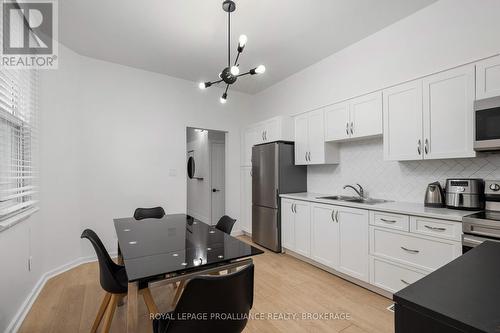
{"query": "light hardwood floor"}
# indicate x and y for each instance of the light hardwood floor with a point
(283, 284)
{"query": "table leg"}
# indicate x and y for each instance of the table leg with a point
(119, 260)
(133, 291)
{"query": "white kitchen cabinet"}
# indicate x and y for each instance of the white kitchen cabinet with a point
(392, 276)
(488, 78)
(353, 242)
(296, 226)
(246, 199)
(448, 114)
(324, 235)
(274, 129)
(431, 118)
(310, 145)
(403, 122)
(359, 117)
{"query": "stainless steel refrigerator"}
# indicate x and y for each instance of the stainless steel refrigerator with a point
(273, 173)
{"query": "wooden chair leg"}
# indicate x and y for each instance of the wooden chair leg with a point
(100, 313)
(178, 292)
(150, 303)
(110, 313)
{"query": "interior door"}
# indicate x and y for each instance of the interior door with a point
(337, 122)
(324, 235)
(301, 139)
(366, 115)
(403, 122)
(217, 179)
(316, 131)
(449, 113)
(353, 242)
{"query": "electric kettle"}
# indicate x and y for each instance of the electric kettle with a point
(434, 195)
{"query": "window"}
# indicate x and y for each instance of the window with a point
(18, 144)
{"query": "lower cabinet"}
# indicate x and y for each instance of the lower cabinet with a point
(324, 235)
(391, 276)
(296, 226)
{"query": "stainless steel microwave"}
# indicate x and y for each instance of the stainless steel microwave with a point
(487, 118)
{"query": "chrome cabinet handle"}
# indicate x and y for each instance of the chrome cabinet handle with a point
(337, 216)
(405, 282)
(352, 127)
(291, 208)
(347, 128)
(333, 218)
(434, 228)
(410, 250)
(265, 135)
(262, 135)
(309, 156)
(388, 221)
(305, 155)
(426, 147)
(419, 147)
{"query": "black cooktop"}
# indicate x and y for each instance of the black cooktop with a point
(485, 215)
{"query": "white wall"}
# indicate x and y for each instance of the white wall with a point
(441, 36)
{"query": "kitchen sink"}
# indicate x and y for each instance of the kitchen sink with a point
(368, 201)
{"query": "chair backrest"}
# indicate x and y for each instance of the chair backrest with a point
(149, 213)
(107, 268)
(215, 295)
(225, 224)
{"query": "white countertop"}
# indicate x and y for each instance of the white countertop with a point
(408, 208)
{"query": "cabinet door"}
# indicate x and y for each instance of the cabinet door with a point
(272, 130)
(246, 205)
(403, 122)
(448, 114)
(302, 228)
(488, 78)
(316, 131)
(250, 138)
(287, 224)
(337, 122)
(366, 115)
(324, 235)
(353, 242)
(259, 133)
(301, 139)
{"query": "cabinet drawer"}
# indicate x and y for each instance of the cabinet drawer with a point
(393, 221)
(392, 277)
(436, 228)
(422, 253)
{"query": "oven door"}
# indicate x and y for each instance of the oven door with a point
(471, 241)
(487, 117)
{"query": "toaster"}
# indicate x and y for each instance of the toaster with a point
(465, 193)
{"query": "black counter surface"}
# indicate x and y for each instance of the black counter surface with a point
(464, 294)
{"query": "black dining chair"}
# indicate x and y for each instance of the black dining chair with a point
(225, 224)
(149, 213)
(211, 296)
(114, 281)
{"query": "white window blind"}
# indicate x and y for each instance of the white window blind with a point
(18, 142)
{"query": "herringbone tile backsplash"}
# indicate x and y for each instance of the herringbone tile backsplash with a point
(363, 162)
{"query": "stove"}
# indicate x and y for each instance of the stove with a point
(484, 225)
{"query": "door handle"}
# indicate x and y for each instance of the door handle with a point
(405, 282)
(333, 218)
(305, 155)
(295, 208)
(215, 190)
(426, 146)
(337, 216)
(265, 135)
(435, 228)
(388, 221)
(352, 127)
(419, 147)
(347, 128)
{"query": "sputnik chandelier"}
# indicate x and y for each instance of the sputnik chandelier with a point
(230, 74)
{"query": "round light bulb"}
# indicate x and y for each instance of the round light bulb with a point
(235, 70)
(223, 100)
(260, 69)
(202, 85)
(243, 40)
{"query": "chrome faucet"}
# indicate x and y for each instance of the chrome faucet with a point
(360, 192)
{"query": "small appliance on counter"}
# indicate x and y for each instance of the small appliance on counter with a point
(434, 196)
(465, 193)
(484, 225)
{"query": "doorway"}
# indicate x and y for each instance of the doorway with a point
(206, 174)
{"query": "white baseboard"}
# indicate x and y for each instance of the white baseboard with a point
(21, 313)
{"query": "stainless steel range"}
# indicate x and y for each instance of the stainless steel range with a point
(484, 225)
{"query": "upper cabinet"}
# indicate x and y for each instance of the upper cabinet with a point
(430, 118)
(274, 129)
(488, 78)
(359, 117)
(310, 146)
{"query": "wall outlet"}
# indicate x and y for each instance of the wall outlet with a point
(30, 263)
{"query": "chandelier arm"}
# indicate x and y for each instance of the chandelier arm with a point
(227, 87)
(237, 57)
(243, 74)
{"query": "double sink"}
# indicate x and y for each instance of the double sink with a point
(368, 201)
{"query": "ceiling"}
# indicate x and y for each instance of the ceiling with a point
(187, 38)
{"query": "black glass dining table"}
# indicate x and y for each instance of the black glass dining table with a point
(173, 249)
